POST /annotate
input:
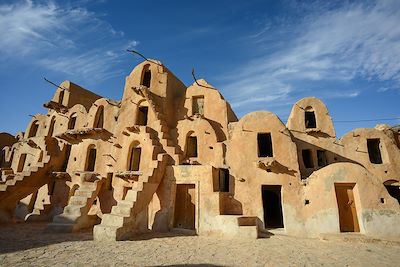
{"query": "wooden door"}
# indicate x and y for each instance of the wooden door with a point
(184, 216)
(347, 208)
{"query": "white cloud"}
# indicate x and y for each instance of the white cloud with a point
(68, 40)
(353, 41)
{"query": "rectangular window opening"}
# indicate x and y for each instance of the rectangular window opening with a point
(198, 105)
(264, 141)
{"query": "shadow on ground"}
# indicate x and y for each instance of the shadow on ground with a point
(23, 236)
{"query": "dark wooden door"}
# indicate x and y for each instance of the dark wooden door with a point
(347, 208)
(184, 216)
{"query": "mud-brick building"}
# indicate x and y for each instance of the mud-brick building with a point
(168, 157)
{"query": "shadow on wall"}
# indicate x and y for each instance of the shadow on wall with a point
(310, 159)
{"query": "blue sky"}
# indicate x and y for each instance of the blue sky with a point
(262, 55)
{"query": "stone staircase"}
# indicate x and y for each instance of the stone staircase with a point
(75, 215)
(120, 223)
(19, 185)
(161, 127)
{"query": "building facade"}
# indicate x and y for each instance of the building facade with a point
(169, 157)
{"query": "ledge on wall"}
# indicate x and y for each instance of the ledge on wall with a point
(272, 165)
(76, 136)
(55, 106)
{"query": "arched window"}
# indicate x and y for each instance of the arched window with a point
(91, 159)
(146, 76)
(72, 122)
(99, 118)
(134, 158)
(51, 128)
(309, 118)
(61, 97)
(33, 130)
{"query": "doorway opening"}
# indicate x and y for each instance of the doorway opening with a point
(21, 163)
(61, 97)
(321, 157)
(142, 116)
(191, 147)
(374, 151)
(99, 118)
(67, 155)
(146, 76)
(51, 128)
(348, 220)
(198, 105)
(310, 121)
(264, 141)
(307, 158)
(33, 130)
(72, 122)
(91, 160)
(134, 159)
(272, 204)
(184, 215)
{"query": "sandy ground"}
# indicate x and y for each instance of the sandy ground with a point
(28, 245)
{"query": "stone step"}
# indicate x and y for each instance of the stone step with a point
(138, 186)
(121, 210)
(130, 197)
(104, 233)
(78, 201)
(112, 220)
(83, 193)
(72, 210)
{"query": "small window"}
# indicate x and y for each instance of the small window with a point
(310, 119)
(91, 161)
(223, 180)
(99, 119)
(191, 147)
(198, 105)
(34, 129)
(142, 116)
(307, 158)
(264, 141)
(374, 151)
(321, 156)
(146, 78)
(134, 161)
(61, 97)
(72, 122)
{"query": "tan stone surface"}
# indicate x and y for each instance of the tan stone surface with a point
(27, 246)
